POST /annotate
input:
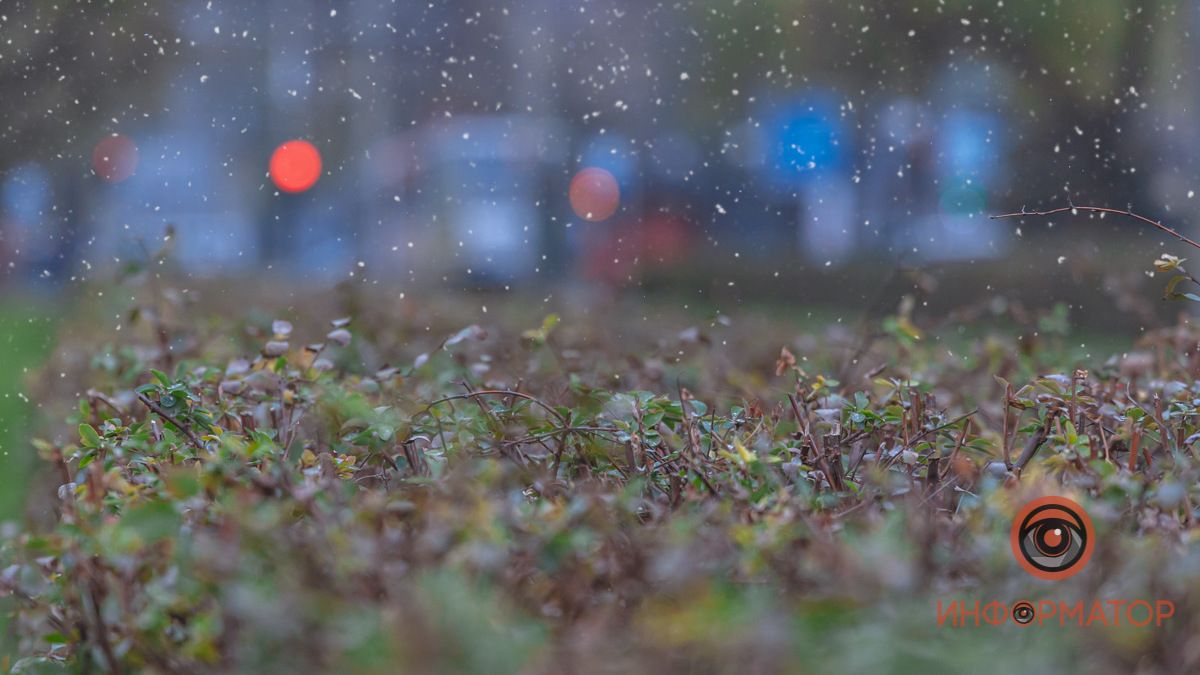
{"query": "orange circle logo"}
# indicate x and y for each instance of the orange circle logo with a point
(1052, 538)
(1023, 612)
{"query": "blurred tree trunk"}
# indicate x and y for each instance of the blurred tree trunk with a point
(69, 69)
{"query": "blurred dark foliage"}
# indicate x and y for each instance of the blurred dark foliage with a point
(540, 495)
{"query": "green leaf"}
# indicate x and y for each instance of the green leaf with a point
(152, 520)
(183, 484)
(540, 335)
(88, 437)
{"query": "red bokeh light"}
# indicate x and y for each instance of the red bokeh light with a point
(295, 166)
(594, 194)
(115, 158)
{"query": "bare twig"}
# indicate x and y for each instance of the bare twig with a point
(157, 410)
(945, 425)
(1102, 209)
(1004, 446)
(1039, 437)
(495, 392)
(962, 439)
(96, 595)
(1134, 441)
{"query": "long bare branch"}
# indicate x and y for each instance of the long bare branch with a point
(1102, 209)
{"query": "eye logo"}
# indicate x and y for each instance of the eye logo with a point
(1052, 538)
(1023, 612)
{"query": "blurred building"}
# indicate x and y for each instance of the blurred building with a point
(449, 132)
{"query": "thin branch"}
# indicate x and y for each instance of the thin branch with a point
(915, 439)
(1039, 437)
(157, 410)
(494, 392)
(1102, 209)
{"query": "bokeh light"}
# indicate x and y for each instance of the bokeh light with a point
(594, 194)
(115, 158)
(295, 166)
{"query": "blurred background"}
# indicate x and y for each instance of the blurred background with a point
(749, 140)
(772, 167)
(804, 156)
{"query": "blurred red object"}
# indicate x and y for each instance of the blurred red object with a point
(621, 253)
(115, 158)
(295, 166)
(594, 194)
